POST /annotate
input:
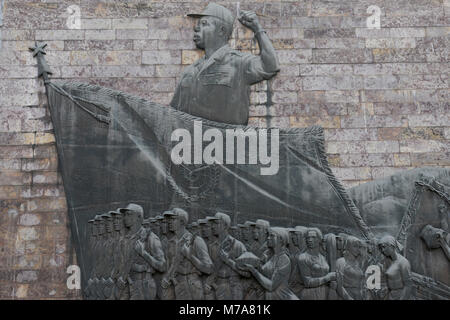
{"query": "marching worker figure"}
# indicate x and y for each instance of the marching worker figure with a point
(188, 259)
(217, 86)
(229, 285)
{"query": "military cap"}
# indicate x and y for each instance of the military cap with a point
(218, 11)
(132, 207)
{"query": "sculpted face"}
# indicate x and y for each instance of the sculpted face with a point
(386, 249)
(294, 238)
(355, 247)
(244, 234)
(109, 225)
(206, 230)
(216, 227)
(174, 223)
(163, 226)
(312, 239)
(255, 231)
(205, 32)
(101, 227)
(271, 239)
(129, 218)
(118, 222)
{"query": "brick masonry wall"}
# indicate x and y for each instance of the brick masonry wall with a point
(382, 96)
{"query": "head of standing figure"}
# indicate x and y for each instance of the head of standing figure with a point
(249, 230)
(340, 241)
(194, 228)
(214, 27)
(162, 222)
(234, 232)
(205, 228)
(389, 246)
(117, 221)
(354, 246)
(221, 224)
(300, 231)
(313, 238)
(92, 232)
(261, 230)
(133, 216)
(293, 238)
(100, 225)
(277, 239)
(154, 226)
(109, 223)
(177, 220)
(243, 232)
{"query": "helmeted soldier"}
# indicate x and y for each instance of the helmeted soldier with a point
(188, 259)
(217, 86)
(229, 285)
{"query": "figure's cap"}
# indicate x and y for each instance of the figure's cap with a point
(159, 218)
(115, 213)
(91, 221)
(215, 10)
(264, 223)
(182, 214)
(168, 214)
(194, 225)
(152, 220)
(106, 216)
(202, 221)
(98, 218)
(145, 222)
(132, 207)
(211, 218)
(250, 223)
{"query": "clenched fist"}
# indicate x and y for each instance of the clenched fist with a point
(250, 20)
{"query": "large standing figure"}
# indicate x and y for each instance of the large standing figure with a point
(217, 86)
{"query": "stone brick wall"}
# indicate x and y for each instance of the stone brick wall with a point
(382, 96)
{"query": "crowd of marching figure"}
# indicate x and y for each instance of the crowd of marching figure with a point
(166, 258)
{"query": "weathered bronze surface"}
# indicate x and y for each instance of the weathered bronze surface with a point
(147, 228)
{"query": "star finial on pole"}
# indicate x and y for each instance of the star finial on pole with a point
(43, 68)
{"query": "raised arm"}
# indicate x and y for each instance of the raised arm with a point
(269, 61)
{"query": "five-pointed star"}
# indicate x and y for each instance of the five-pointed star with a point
(38, 48)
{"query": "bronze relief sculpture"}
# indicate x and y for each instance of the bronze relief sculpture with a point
(297, 234)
